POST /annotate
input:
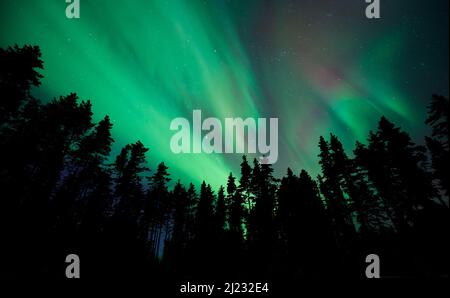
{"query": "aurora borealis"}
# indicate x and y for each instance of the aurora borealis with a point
(318, 66)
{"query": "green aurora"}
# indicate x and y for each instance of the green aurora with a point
(319, 66)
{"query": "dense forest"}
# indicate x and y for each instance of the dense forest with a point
(62, 192)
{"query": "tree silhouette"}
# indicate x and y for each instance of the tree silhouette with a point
(235, 212)
(245, 183)
(332, 182)
(204, 231)
(126, 222)
(394, 164)
(315, 229)
(62, 192)
(19, 72)
(262, 234)
(438, 142)
(158, 210)
(221, 213)
(176, 244)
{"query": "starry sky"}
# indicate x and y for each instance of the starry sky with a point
(318, 66)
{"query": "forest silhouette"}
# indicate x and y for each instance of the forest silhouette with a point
(62, 192)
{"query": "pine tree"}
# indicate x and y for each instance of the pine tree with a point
(128, 169)
(205, 214)
(287, 194)
(192, 201)
(311, 240)
(236, 212)
(87, 172)
(221, 213)
(331, 186)
(205, 239)
(261, 231)
(395, 165)
(362, 203)
(176, 245)
(180, 200)
(124, 230)
(158, 210)
(245, 184)
(438, 142)
(19, 71)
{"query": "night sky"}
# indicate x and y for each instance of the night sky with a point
(319, 66)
